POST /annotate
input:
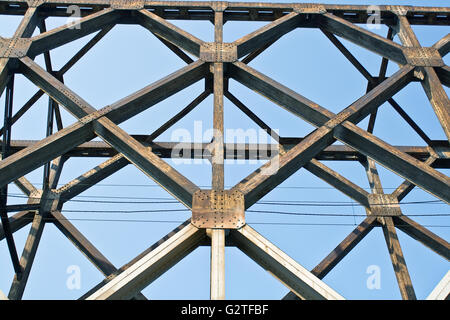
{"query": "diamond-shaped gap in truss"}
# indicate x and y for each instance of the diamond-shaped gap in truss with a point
(138, 212)
(203, 30)
(156, 118)
(234, 30)
(119, 70)
(428, 38)
(174, 285)
(363, 261)
(274, 115)
(389, 117)
(72, 263)
(242, 271)
(31, 126)
(369, 59)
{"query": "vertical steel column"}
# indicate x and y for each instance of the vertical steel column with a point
(390, 236)
(4, 190)
(217, 290)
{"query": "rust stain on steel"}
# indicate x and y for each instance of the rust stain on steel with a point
(215, 209)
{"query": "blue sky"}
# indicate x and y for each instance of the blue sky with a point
(129, 58)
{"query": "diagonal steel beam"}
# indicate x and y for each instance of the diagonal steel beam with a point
(443, 45)
(180, 53)
(403, 189)
(284, 268)
(442, 290)
(17, 222)
(91, 177)
(338, 181)
(252, 116)
(267, 34)
(397, 258)
(24, 30)
(423, 235)
(362, 37)
(25, 186)
(148, 266)
(169, 32)
(27, 259)
(57, 37)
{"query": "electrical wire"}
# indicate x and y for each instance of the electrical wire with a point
(248, 222)
(308, 203)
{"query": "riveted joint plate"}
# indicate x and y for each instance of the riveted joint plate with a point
(212, 209)
(218, 52)
(423, 57)
(14, 47)
(127, 4)
(51, 202)
(307, 8)
(96, 115)
(384, 205)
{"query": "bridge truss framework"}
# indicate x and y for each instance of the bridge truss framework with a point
(218, 215)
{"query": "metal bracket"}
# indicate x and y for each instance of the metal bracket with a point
(14, 47)
(423, 57)
(219, 6)
(399, 10)
(127, 4)
(50, 203)
(35, 3)
(309, 8)
(384, 205)
(218, 52)
(214, 209)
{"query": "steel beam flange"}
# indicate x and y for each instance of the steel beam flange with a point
(14, 47)
(309, 8)
(218, 52)
(423, 57)
(384, 205)
(213, 209)
(127, 4)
